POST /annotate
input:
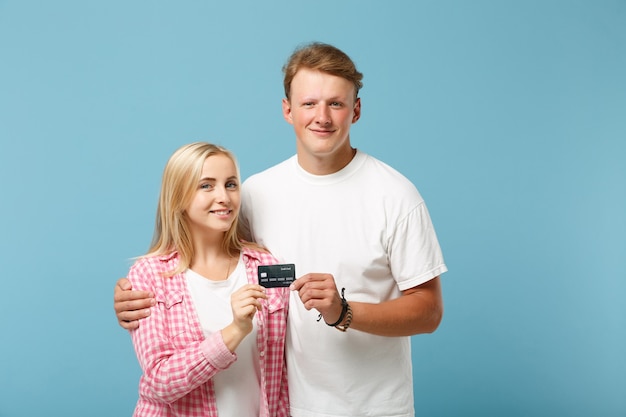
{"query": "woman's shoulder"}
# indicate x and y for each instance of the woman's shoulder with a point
(155, 261)
(150, 267)
(258, 253)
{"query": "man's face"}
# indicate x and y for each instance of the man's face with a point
(321, 109)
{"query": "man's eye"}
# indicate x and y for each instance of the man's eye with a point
(336, 104)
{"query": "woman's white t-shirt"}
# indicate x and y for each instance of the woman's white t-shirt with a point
(237, 389)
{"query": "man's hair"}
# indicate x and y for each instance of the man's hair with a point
(321, 57)
(178, 187)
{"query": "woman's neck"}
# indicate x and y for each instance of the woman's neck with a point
(215, 266)
(212, 260)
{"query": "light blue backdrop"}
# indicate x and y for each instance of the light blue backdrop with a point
(510, 117)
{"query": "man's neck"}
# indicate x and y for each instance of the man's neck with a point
(327, 164)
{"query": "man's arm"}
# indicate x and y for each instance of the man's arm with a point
(417, 310)
(131, 306)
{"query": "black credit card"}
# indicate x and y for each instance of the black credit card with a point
(281, 275)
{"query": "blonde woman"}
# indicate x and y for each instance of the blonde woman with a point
(214, 341)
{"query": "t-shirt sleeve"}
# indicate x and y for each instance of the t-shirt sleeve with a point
(415, 256)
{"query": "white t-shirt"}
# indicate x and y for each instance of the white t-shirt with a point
(241, 380)
(369, 227)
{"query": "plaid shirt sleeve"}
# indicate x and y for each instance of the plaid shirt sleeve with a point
(175, 358)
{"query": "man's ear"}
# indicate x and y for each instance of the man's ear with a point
(357, 110)
(287, 111)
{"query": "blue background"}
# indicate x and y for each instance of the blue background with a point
(510, 117)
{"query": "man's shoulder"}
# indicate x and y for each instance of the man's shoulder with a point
(271, 171)
(396, 183)
(377, 164)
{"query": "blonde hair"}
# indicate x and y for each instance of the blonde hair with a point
(178, 186)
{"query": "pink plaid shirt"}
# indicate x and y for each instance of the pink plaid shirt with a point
(178, 362)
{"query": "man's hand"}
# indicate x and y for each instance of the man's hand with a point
(319, 291)
(131, 306)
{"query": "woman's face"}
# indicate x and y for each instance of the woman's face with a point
(216, 202)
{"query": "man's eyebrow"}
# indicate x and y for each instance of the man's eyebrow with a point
(340, 99)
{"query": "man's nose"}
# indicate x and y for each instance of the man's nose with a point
(323, 115)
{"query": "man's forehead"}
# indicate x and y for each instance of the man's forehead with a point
(309, 82)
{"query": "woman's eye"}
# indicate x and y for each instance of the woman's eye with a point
(205, 186)
(231, 185)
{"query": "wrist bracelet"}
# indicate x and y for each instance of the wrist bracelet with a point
(345, 326)
(345, 309)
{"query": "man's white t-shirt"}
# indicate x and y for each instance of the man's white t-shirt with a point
(369, 227)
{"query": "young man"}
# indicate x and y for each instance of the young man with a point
(347, 221)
